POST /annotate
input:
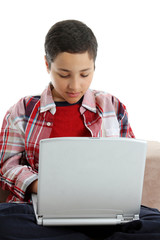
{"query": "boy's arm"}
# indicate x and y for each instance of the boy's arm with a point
(122, 116)
(14, 175)
(32, 187)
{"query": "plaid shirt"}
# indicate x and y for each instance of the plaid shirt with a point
(31, 120)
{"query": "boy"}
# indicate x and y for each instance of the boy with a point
(66, 108)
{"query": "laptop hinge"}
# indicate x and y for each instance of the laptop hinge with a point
(40, 220)
(127, 219)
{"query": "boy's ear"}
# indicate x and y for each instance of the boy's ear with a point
(46, 63)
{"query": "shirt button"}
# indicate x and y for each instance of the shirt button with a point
(48, 124)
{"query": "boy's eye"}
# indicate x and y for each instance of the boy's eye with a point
(66, 76)
(63, 76)
(84, 75)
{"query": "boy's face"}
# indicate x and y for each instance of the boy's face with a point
(71, 76)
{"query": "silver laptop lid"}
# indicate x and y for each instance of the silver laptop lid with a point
(90, 180)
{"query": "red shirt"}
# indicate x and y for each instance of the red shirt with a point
(68, 122)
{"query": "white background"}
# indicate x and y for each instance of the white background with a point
(128, 62)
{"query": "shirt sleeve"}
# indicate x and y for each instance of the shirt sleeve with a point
(15, 173)
(122, 116)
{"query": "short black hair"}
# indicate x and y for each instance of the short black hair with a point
(70, 36)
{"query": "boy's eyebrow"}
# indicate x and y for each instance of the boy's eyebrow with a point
(62, 69)
(66, 70)
(86, 69)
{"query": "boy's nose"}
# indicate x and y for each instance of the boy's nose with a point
(74, 83)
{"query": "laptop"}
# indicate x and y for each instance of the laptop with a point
(89, 181)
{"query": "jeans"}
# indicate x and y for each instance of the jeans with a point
(17, 222)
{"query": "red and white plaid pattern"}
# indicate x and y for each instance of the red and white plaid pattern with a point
(31, 120)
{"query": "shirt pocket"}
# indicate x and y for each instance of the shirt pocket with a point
(41, 129)
(110, 127)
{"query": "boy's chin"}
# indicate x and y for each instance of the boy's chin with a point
(73, 100)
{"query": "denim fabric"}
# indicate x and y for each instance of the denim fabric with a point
(17, 222)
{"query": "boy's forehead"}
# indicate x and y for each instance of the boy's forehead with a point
(65, 59)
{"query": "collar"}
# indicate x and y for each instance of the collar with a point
(47, 103)
(89, 102)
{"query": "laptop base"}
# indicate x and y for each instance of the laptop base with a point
(79, 221)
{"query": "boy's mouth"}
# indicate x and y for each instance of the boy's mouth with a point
(73, 95)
